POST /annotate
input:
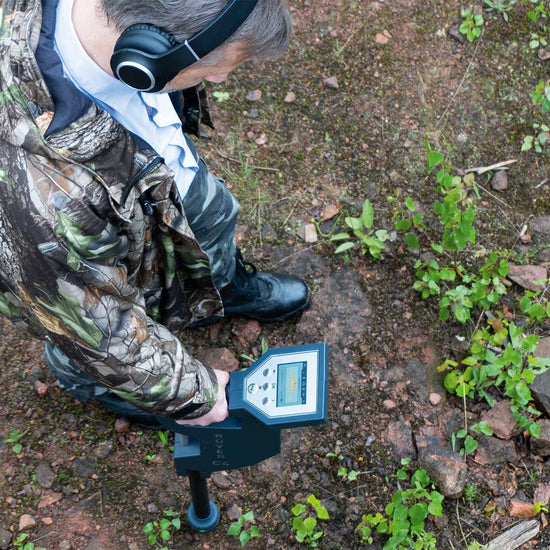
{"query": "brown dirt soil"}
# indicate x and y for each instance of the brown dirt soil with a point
(287, 162)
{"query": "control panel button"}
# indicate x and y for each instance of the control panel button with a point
(252, 388)
(265, 386)
(267, 372)
(265, 400)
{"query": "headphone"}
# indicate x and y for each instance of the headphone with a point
(147, 57)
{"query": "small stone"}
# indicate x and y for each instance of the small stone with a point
(37, 373)
(491, 450)
(247, 332)
(104, 449)
(44, 475)
(462, 137)
(308, 233)
(219, 358)
(65, 545)
(500, 419)
(389, 404)
(47, 520)
(26, 522)
(398, 436)
(500, 181)
(290, 97)
(527, 276)
(254, 95)
(152, 508)
(541, 445)
(540, 224)
(133, 546)
(234, 512)
(48, 498)
(5, 538)
(382, 37)
(262, 140)
(435, 399)
(83, 467)
(40, 388)
(331, 82)
(253, 113)
(95, 544)
(220, 481)
(542, 493)
(122, 425)
(329, 212)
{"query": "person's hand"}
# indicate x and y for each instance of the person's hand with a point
(219, 411)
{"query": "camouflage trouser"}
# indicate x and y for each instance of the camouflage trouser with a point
(212, 214)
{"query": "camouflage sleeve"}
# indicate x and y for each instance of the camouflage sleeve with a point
(79, 268)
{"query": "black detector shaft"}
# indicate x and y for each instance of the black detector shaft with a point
(285, 388)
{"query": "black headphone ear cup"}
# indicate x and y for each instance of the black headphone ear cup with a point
(146, 38)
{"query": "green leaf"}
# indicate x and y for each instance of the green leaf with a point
(412, 241)
(418, 513)
(298, 509)
(322, 513)
(148, 528)
(410, 204)
(310, 524)
(402, 225)
(17, 448)
(340, 237)
(165, 535)
(344, 247)
(470, 444)
(176, 522)
(368, 214)
(234, 529)
(244, 537)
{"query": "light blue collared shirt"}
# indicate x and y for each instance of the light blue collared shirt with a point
(152, 117)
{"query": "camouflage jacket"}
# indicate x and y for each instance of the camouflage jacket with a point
(81, 262)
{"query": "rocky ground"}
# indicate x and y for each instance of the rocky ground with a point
(340, 119)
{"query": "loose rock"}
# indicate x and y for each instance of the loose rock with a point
(540, 224)
(331, 82)
(26, 522)
(5, 538)
(122, 425)
(398, 436)
(500, 420)
(540, 389)
(527, 275)
(382, 37)
(234, 512)
(500, 181)
(308, 233)
(541, 445)
(48, 498)
(65, 545)
(491, 450)
(290, 97)
(40, 388)
(219, 358)
(44, 475)
(83, 467)
(519, 509)
(104, 449)
(254, 95)
(220, 481)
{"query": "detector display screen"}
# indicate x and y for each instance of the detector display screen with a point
(291, 384)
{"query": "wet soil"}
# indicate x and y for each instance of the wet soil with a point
(401, 79)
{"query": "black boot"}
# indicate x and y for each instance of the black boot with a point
(263, 296)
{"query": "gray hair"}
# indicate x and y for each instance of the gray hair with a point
(264, 35)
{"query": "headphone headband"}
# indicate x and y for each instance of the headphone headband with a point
(146, 57)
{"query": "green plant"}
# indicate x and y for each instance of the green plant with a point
(471, 493)
(158, 532)
(535, 306)
(150, 457)
(500, 356)
(541, 95)
(164, 437)
(343, 472)
(304, 521)
(371, 241)
(264, 349)
(13, 437)
(404, 517)
(244, 528)
(471, 25)
(500, 6)
(220, 97)
(537, 141)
